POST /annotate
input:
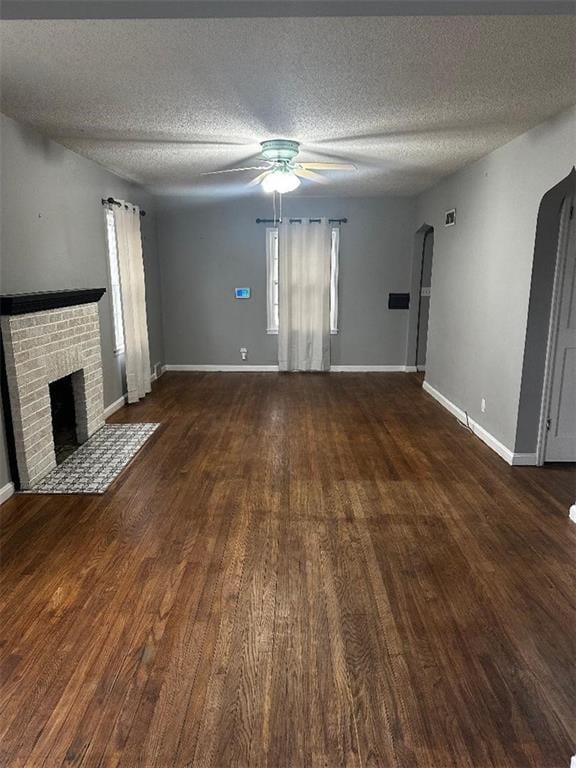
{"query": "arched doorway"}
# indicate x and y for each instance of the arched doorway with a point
(424, 296)
(535, 387)
(420, 295)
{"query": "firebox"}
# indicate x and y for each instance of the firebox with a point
(63, 417)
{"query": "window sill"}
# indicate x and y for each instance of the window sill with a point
(275, 333)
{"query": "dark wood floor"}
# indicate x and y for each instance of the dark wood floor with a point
(297, 570)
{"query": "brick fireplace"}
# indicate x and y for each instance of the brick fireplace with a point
(48, 337)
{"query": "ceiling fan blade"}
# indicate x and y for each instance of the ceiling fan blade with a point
(310, 175)
(328, 166)
(259, 178)
(236, 170)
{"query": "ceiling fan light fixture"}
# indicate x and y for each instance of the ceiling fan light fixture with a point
(280, 181)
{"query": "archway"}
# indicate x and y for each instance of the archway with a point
(421, 274)
(539, 308)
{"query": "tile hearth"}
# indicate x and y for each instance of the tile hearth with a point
(94, 466)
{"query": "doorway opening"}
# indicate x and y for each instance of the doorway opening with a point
(557, 428)
(550, 244)
(424, 295)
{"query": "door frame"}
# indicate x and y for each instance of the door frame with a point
(561, 255)
(424, 240)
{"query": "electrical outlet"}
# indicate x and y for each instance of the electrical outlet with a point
(243, 353)
(483, 405)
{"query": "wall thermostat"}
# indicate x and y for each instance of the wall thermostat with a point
(242, 293)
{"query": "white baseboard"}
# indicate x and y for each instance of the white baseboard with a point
(573, 762)
(514, 459)
(370, 369)
(115, 406)
(573, 518)
(220, 368)
(157, 372)
(525, 460)
(6, 491)
(253, 368)
(410, 368)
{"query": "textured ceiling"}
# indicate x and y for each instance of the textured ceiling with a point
(408, 99)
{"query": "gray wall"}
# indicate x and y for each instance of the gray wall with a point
(207, 251)
(482, 271)
(52, 235)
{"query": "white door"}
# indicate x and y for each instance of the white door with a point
(561, 424)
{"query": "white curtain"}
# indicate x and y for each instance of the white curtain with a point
(131, 266)
(304, 296)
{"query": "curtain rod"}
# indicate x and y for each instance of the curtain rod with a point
(299, 221)
(111, 201)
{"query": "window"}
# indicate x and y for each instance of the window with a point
(334, 266)
(273, 317)
(272, 280)
(116, 296)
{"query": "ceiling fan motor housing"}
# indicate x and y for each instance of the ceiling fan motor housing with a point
(284, 150)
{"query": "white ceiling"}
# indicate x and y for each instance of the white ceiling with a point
(408, 99)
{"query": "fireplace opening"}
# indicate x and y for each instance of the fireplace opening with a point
(63, 418)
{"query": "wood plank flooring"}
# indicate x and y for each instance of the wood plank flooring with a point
(296, 571)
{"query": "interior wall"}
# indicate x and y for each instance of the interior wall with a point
(482, 271)
(53, 235)
(209, 250)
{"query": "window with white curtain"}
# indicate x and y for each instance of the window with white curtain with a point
(334, 267)
(272, 279)
(115, 292)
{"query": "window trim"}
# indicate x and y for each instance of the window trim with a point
(115, 285)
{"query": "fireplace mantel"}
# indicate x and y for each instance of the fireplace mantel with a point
(24, 303)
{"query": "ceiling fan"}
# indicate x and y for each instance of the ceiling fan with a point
(280, 171)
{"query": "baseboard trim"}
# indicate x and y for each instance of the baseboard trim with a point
(158, 371)
(274, 368)
(220, 368)
(6, 491)
(525, 460)
(370, 369)
(514, 459)
(115, 406)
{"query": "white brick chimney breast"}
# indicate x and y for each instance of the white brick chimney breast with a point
(41, 347)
